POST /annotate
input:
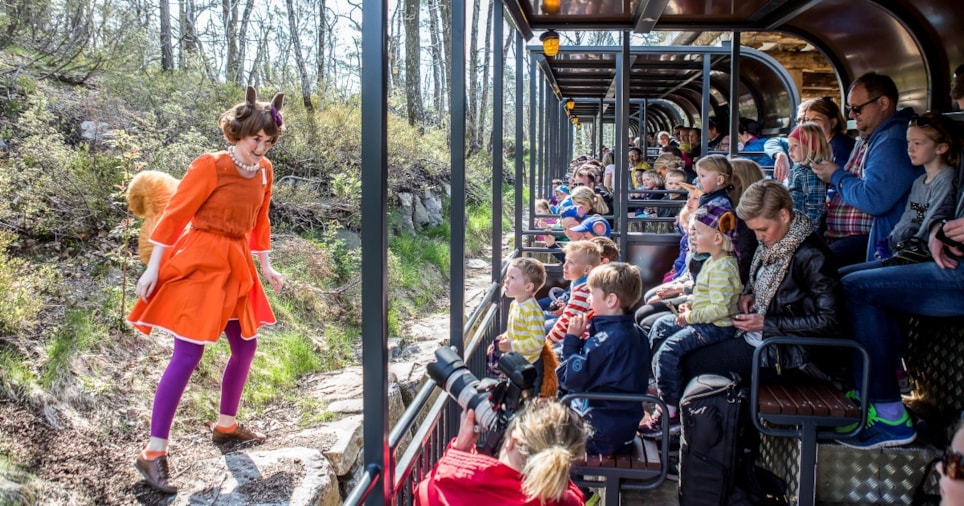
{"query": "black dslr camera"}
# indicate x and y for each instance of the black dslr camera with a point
(494, 401)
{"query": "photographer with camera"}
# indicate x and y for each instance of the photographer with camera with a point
(532, 466)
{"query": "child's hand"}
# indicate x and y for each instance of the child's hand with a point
(681, 319)
(504, 345)
(577, 325)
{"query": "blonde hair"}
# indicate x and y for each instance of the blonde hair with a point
(764, 199)
(544, 204)
(618, 278)
(745, 173)
(608, 248)
(657, 179)
(588, 249)
(721, 165)
(592, 201)
(549, 435)
(813, 142)
(532, 271)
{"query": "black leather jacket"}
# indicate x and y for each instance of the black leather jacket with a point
(807, 300)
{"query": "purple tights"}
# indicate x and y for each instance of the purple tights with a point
(185, 359)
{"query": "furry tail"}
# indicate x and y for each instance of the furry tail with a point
(147, 195)
(550, 382)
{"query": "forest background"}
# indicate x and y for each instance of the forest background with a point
(94, 91)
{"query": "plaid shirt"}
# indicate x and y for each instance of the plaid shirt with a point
(808, 192)
(843, 219)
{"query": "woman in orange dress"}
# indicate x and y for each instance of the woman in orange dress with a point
(201, 280)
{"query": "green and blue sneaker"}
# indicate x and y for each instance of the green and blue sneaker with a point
(855, 397)
(880, 433)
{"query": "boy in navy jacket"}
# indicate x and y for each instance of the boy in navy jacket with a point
(613, 359)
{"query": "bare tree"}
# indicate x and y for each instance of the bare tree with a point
(188, 20)
(487, 51)
(413, 75)
(167, 50)
(472, 107)
(299, 58)
(322, 39)
(436, 51)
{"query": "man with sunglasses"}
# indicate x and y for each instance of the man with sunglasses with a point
(877, 296)
(871, 190)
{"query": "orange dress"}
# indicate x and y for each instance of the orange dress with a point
(213, 223)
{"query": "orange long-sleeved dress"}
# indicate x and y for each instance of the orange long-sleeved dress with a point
(207, 275)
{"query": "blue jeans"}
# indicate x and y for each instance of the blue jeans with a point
(874, 298)
(849, 250)
(677, 342)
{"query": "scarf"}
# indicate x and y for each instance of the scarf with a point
(770, 264)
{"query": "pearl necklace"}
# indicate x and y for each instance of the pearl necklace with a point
(249, 168)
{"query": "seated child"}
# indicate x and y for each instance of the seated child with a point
(706, 320)
(613, 359)
(543, 223)
(650, 180)
(808, 145)
(608, 249)
(932, 144)
(581, 257)
(674, 181)
(524, 331)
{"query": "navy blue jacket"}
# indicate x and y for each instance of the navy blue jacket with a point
(614, 359)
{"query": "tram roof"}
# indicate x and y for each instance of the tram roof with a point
(917, 42)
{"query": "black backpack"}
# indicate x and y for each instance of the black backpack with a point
(719, 447)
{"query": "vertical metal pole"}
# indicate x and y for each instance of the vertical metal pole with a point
(374, 238)
(498, 106)
(457, 121)
(599, 126)
(534, 165)
(705, 116)
(519, 166)
(735, 93)
(643, 118)
(619, 143)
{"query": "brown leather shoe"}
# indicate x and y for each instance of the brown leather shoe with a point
(156, 473)
(240, 433)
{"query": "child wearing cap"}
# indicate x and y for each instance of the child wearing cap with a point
(705, 320)
(808, 145)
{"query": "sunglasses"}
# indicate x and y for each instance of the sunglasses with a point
(952, 464)
(929, 121)
(576, 185)
(855, 109)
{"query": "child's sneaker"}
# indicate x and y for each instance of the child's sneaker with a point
(880, 433)
(653, 428)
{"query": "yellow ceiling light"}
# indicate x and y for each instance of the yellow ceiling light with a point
(550, 7)
(578, 126)
(570, 104)
(575, 120)
(550, 43)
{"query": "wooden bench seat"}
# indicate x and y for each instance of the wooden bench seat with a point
(808, 399)
(645, 455)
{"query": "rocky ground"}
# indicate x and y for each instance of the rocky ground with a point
(79, 462)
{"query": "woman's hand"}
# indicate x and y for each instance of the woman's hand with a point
(274, 278)
(749, 322)
(146, 283)
(824, 170)
(577, 325)
(468, 433)
(745, 303)
(669, 291)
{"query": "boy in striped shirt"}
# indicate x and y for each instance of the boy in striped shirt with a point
(581, 257)
(525, 331)
(705, 320)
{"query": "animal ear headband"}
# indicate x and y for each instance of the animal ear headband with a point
(251, 97)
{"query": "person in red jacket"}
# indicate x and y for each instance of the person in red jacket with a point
(532, 468)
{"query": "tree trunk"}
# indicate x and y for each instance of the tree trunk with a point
(413, 75)
(322, 47)
(445, 16)
(167, 50)
(229, 16)
(242, 38)
(438, 69)
(299, 57)
(472, 107)
(188, 23)
(487, 51)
